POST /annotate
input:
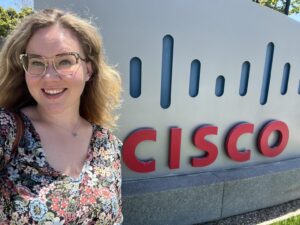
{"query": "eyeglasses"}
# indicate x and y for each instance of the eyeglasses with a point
(65, 64)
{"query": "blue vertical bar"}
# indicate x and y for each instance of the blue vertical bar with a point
(267, 74)
(194, 78)
(244, 78)
(135, 77)
(166, 71)
(285, 78)
(220, 84)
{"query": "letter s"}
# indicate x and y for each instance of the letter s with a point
(210, 148)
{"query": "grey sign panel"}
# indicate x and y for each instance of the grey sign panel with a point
(190, 63)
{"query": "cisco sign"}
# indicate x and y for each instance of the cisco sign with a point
(238, 143)
(210, 149)
(208, 85)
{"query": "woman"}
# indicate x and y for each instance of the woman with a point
(67, 166)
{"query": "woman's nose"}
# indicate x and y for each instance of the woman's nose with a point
(51, 71)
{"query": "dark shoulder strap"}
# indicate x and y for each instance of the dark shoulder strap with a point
(20, 132)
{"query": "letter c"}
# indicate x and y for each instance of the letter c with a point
(232, 139)
(129, 147)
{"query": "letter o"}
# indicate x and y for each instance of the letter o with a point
(265, 133)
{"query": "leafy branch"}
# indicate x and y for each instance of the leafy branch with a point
(10, 17)
(287, 7)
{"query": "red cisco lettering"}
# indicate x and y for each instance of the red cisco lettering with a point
(231, 142)
(129, 147)
(202, 144)
(264, 134)
(211, 149)
(174, 148)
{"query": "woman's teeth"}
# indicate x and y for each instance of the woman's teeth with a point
(53, 91)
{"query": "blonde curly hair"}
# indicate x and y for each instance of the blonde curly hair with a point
(101, 95)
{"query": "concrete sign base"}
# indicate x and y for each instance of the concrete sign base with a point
(191, 199)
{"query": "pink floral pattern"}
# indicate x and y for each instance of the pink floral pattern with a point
(32, 192)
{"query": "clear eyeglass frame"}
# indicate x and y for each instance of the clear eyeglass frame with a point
(43, 63)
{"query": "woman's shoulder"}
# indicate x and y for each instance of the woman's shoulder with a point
(7, 130)
(106, 143)
(6, 117)
(105, 135)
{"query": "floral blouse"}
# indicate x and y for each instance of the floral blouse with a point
(32, 192)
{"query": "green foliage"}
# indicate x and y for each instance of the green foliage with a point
(295, 220)
(10, 17)
(280, 5)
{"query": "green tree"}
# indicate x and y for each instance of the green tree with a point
(9, 19)
(287, 7)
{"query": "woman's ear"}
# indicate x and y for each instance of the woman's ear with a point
(89, 71)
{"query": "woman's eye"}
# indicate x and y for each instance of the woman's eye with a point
(37, 63)
(64, 63)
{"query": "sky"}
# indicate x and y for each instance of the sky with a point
(296, 17)
(18, 3)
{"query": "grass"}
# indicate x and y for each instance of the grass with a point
(295, 220)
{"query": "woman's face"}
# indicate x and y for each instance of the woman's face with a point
(52, 91)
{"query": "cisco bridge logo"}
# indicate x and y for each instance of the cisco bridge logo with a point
(195, 75)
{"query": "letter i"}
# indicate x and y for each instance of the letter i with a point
(174, 148)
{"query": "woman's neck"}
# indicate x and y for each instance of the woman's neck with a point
(67, 119)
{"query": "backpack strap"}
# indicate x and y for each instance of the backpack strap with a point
(19, 134)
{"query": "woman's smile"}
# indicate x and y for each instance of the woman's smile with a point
(54, 92)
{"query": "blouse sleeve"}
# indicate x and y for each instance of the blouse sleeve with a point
(117, 170)
(7, 136)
